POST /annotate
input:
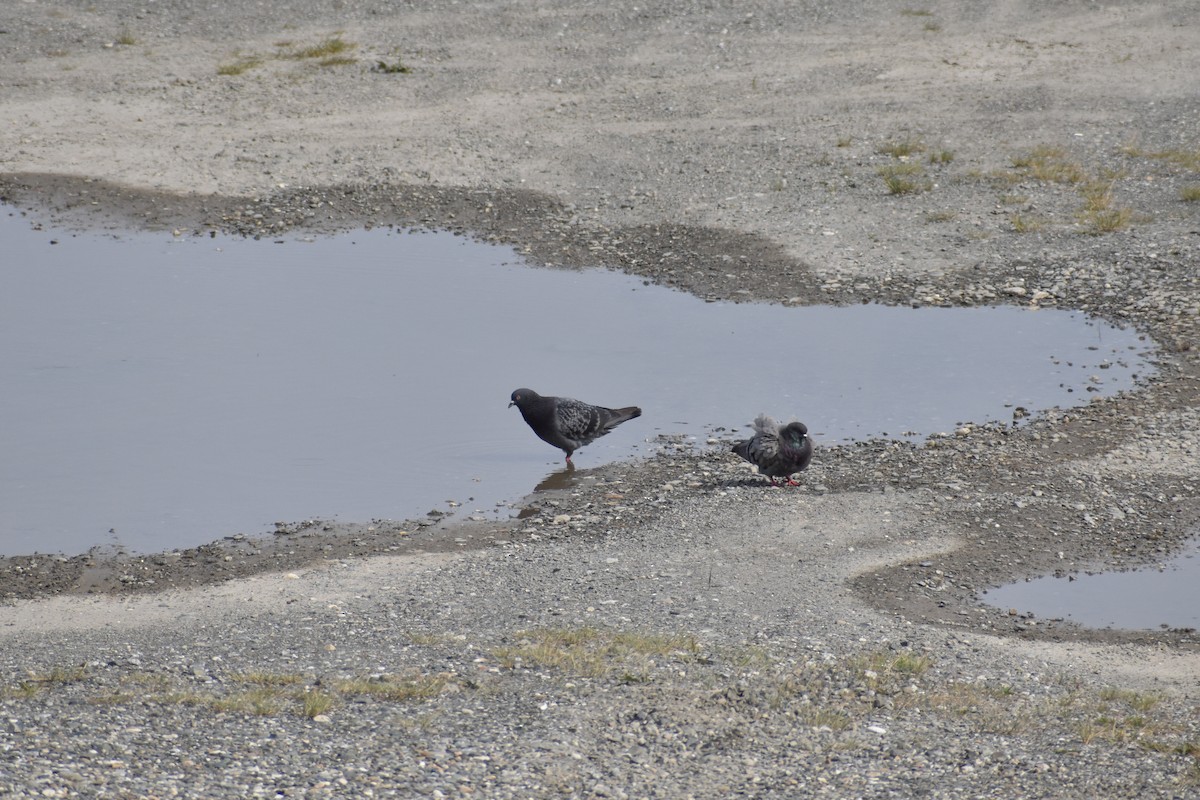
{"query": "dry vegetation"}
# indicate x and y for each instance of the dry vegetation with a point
(838, 694)
(333, 51)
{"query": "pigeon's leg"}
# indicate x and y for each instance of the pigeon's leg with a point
(792, 482)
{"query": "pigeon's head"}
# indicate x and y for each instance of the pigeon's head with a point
(521, 397)
(794, 433)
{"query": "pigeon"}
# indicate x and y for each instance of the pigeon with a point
(778, 452)
(566, 423)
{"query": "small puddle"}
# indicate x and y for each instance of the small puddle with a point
(165, 392)
(1152, 598)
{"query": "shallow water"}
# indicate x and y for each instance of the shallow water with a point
(1164, 596)
(163, 392)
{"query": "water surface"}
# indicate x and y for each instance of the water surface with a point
(163, 391)
(1166, 595)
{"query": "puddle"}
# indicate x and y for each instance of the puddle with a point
(164, 392)
(1164, 596)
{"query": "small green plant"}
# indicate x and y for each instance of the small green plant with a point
(916, 12)
(126, 38)
(1138, 701)
(933, 27)
(941, 157)
(314, 702)
(902, 148)
(1190, 193)
(1050, 165)
(260, 701)
(331, 52)
(1098, 193)
(241, 65)
(903, 178)
(1108, 220)
(845, 141)
(886, 664)
(941, 216)
(1186, 159)
(396, 68)
(267, 678)
(592, 652)
(38, 682)
(1022, 223)
(333, 46)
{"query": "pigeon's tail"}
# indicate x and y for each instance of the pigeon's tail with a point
(766, 424)
(742, 448)
(626, 414)
(612, 417)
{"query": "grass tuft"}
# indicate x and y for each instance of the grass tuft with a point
(1108, 220)
(331, 52)
(260, 701)
(241, 65)
(396, 68)
(314, 702)
(333, 46)
(1050, 165)
(1022, 223)
(904, 178)
(1190, 193)
(594, 653)
(901, 148)
(38, 682)
(1179, 157)
(267, 678)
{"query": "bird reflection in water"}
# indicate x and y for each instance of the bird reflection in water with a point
(554, 482)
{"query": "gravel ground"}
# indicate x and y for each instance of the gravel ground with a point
(670, 627)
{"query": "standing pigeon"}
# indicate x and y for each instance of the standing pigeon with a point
(566, 423)
(778, 452)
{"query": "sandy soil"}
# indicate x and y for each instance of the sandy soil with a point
(731, 151)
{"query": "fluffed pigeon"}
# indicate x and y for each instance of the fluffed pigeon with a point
(778, 452)
(566, 423)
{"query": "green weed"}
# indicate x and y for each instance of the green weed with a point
(904, 178)
(901, 148)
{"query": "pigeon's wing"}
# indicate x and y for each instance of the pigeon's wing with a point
(578, 421)
(761, 449)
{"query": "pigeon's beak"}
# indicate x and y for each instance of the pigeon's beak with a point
(510, 405)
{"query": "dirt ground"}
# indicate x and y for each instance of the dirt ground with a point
(948, 153)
